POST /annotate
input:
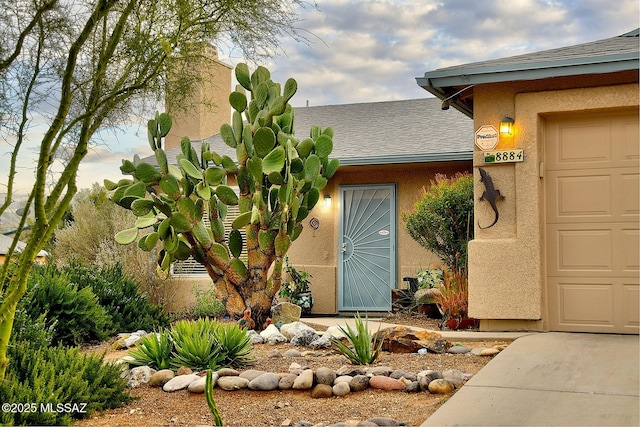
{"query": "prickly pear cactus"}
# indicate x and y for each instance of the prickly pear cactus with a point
(279, 176)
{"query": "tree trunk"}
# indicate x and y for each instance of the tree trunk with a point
(16, 289)
(6, 326)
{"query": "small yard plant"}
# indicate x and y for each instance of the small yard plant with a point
(442, 222)
(195, 344)
(39, 331)
(153, 350)
(453, 298)
(429, 278)
(120, 295)
(208, 391)
(364, 347)
(77, 304)
(297, 290)
(198, 344)
(207, 305)
(73, 312)
(235, 345)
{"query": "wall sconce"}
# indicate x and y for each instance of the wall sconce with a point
(327, 200)
(506, 126)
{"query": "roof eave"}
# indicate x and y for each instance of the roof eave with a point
(435, 81)
(426, 84)
(519, 72)
(407, 158)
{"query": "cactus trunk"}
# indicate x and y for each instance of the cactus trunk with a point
(256, 293)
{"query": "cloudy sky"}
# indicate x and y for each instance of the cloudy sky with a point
(372, 50)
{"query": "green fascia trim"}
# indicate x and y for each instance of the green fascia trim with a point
(502, 74)
(417, 158)
(435, 81)
(530, 71)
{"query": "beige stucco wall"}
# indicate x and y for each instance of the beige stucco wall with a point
(184, 292)
(316, 251)
(506, 262)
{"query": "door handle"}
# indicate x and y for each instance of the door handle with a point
(344, 248)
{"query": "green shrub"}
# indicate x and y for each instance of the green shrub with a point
(76, 313)
(120, 295)
(442, 221)
(58, 375)
(38, 331)
(207, 305)
(365, 348)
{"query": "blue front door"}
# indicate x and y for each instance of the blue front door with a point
(367, 240)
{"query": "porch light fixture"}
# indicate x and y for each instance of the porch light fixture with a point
(506, 126)
(327, 200)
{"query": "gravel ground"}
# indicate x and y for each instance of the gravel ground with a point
(254, 408)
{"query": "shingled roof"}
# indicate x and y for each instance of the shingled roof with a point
(375, 133)
(620, 53)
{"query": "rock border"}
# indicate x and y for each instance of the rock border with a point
(319, 383)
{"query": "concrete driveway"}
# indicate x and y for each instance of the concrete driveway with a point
(552, 379)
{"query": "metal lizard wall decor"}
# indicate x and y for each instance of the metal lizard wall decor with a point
(490, 194)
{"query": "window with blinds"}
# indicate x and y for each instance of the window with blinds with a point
(190, 267)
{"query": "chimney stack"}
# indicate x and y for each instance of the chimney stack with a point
(207, 108)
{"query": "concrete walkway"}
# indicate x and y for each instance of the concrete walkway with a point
(453, 336)
(550, 379)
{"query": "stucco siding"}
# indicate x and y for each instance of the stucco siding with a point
(506, 262)
(317, 250)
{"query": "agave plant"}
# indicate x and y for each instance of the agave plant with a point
(235, 345)
(365, 348)
(195, 344)
(198, 344)
(153, 350)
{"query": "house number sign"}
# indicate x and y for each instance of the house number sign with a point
(504, 156)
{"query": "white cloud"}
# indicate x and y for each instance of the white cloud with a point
(103, 161)
(372, 50)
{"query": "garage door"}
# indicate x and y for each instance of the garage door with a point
(592, 197)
